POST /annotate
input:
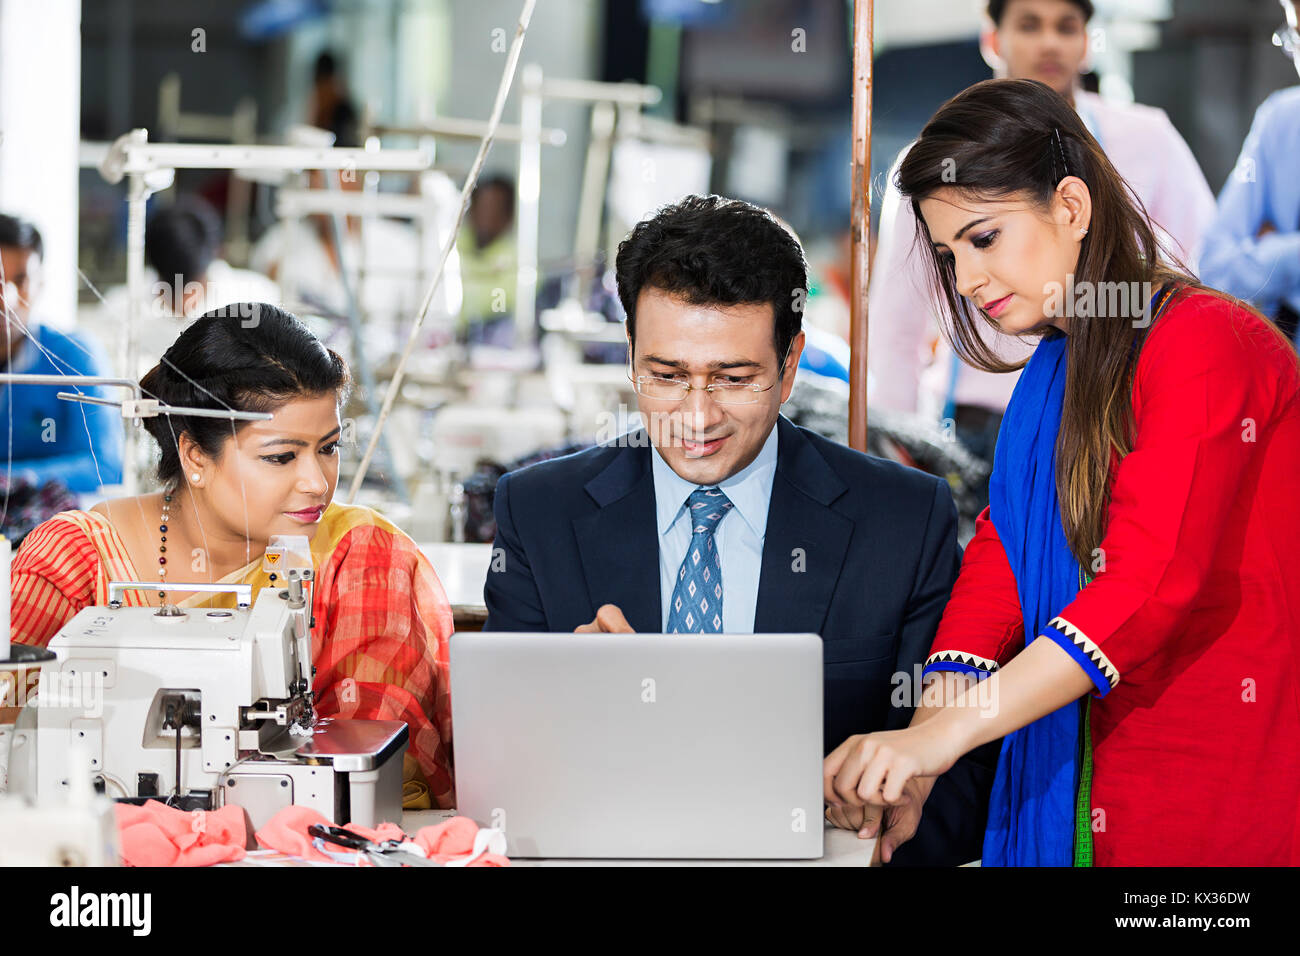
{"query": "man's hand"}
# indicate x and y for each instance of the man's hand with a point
(850, 818)
(609, 620)
(900, 821)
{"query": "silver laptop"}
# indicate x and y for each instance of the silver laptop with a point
(641, 746)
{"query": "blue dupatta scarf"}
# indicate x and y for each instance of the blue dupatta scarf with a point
(1032, 807)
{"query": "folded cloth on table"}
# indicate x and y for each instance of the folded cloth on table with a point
(155, 834)
(450, 843)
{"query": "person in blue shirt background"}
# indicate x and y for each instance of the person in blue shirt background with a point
(46, 438)
(1252, 250)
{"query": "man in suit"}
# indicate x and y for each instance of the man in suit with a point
(722, 516)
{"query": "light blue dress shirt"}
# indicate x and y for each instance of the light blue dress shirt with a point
(1263, 187)
(739, 537)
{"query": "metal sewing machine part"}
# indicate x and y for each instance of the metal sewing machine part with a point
(288, 556)
(285, 552)
(199, 707)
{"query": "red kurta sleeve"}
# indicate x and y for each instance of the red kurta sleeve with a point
(982, 626)
(51, 579)
(381, 646)
(1213, 381)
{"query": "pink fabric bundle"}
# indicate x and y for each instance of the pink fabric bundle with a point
(454, 840)
(444, 843)
(158, 835)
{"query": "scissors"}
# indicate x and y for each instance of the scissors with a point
(383, 853)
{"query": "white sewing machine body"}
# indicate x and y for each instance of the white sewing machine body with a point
(204, 707)
(57, 836)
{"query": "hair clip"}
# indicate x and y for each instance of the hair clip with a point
(1065, 165)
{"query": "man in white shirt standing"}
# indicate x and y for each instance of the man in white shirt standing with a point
(184, 278)
(1044, 40)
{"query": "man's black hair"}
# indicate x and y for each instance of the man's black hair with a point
(998, 7)
(183, 239)
(714, 251)
(21, 234)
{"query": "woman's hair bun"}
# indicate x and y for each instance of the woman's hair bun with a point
(250, 356)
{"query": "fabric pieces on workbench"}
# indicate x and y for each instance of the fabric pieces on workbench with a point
(287, 833)
(155, 834)
(448, 843)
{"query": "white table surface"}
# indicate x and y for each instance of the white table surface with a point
(841, 848)
(462, 569)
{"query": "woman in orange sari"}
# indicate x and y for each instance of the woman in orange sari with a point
(382, 619)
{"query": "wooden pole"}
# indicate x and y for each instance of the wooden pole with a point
(861, 222)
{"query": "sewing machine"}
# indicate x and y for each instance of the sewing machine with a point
(203, 707)
(79, 831)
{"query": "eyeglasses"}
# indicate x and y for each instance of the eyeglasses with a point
(1288, 38)
(672, 390)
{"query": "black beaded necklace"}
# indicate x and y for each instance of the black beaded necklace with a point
(162, 544)
(164, 518)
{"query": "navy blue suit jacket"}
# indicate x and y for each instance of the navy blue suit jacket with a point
(859, 550)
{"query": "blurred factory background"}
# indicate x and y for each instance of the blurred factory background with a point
(522, 355)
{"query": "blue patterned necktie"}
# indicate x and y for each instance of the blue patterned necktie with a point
(697, 598)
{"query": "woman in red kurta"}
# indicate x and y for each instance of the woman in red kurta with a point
(1195, 621)
(1184, 622)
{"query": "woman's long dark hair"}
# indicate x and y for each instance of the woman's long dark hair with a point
(251, 357)
(1012, 140)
